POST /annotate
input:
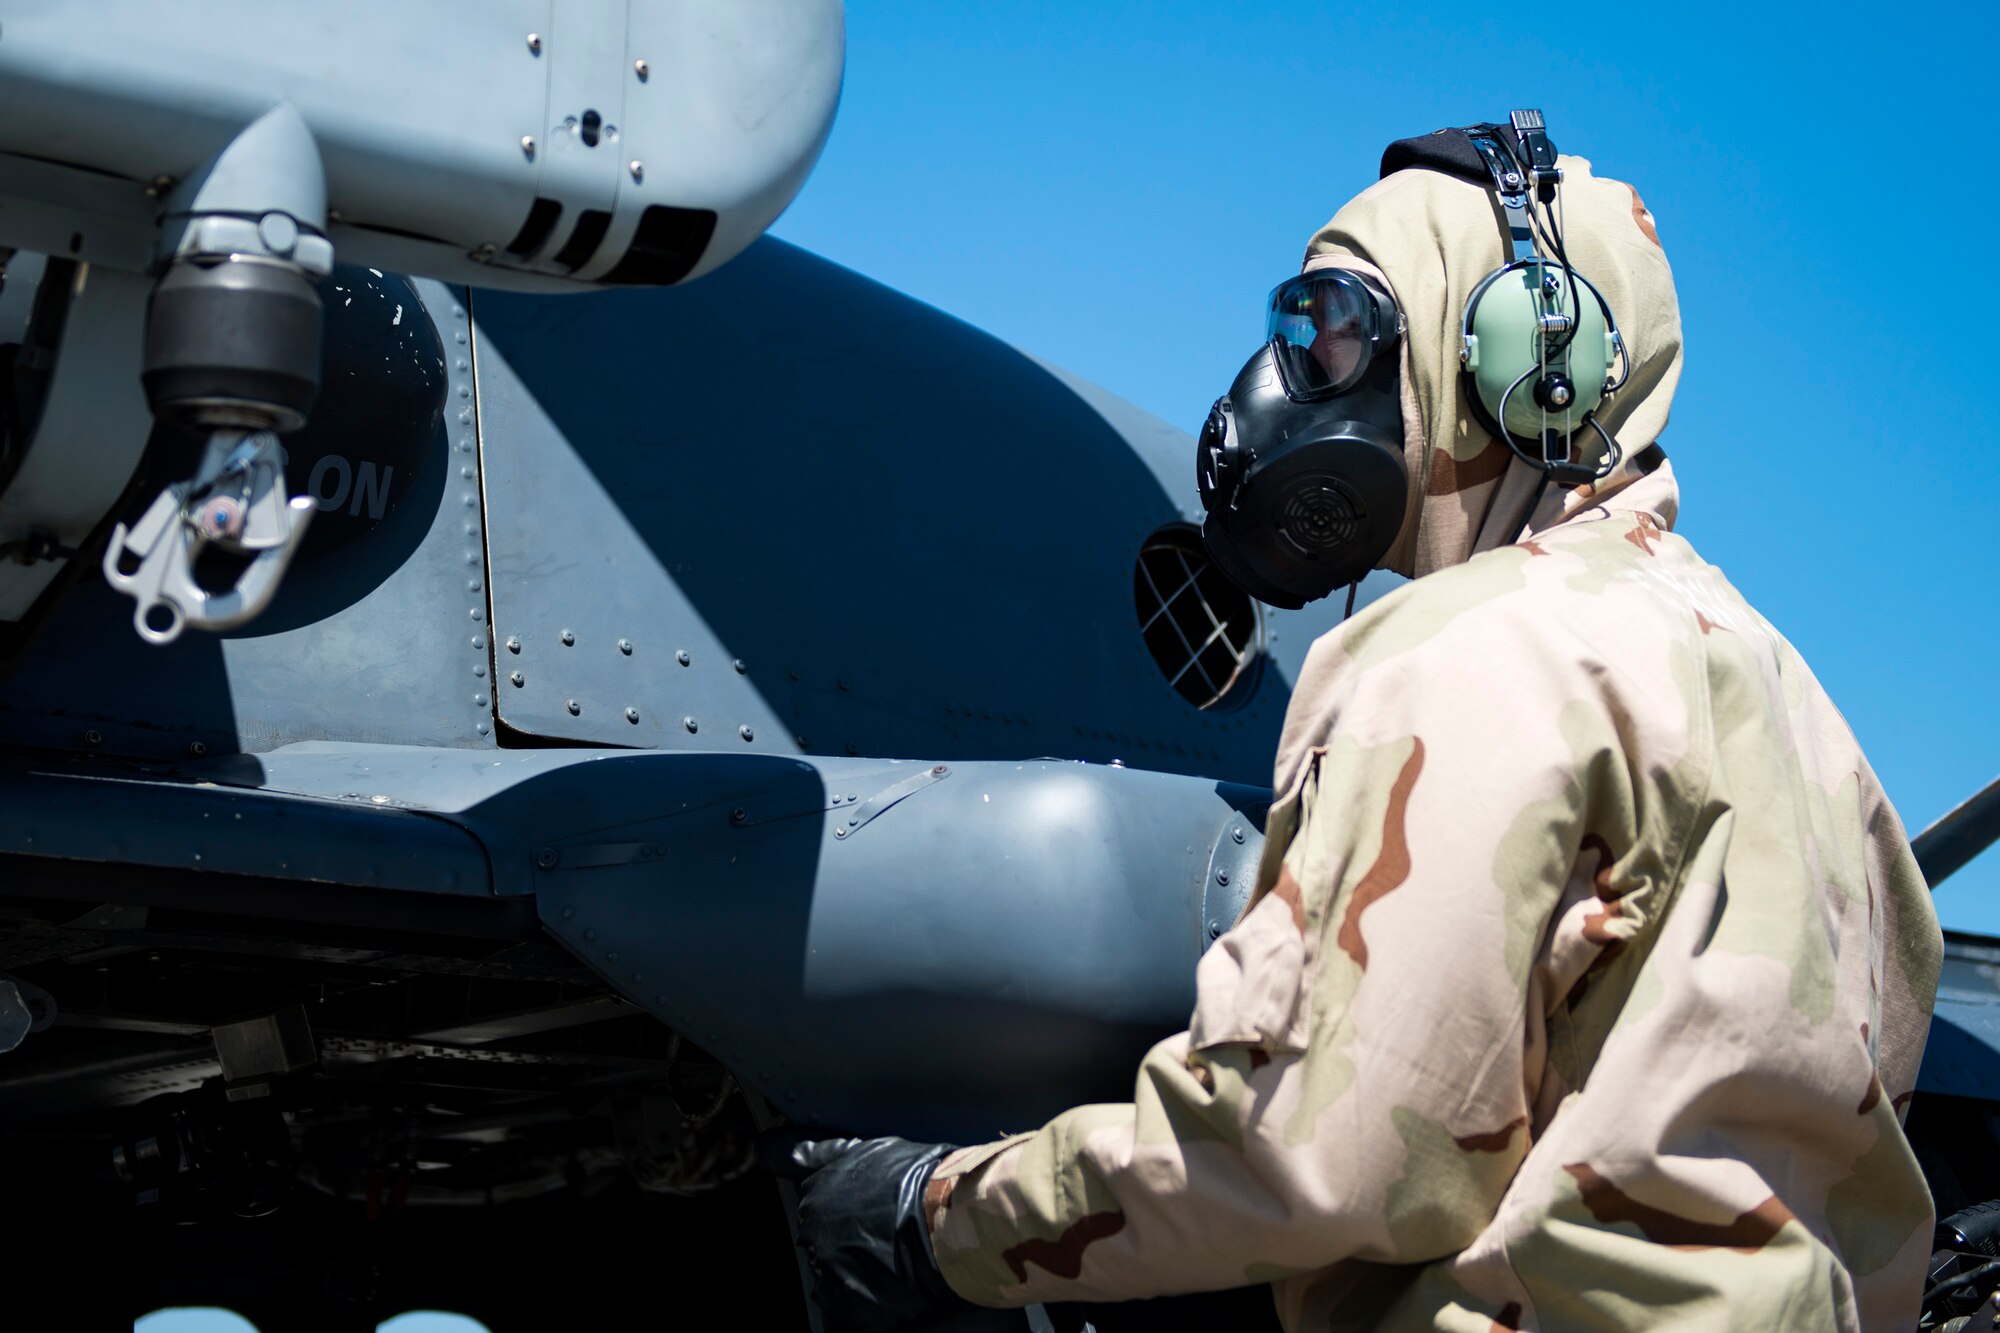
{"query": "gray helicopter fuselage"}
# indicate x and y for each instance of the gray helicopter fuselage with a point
(736, 533)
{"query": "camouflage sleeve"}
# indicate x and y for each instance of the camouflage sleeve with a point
(1367, 1041)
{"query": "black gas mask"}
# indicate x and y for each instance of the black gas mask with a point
(1301, 463)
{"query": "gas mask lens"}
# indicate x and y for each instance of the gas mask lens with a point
(1324, 328)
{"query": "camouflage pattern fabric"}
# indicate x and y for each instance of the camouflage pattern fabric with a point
(1583, 988)
(1586, 977)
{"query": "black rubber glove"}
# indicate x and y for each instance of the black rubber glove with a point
(862, 1226)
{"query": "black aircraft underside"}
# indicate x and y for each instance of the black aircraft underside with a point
(475, 1122)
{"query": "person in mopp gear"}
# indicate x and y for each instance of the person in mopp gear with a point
(1588, 969)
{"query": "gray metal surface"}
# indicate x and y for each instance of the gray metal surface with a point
(915, 539)
(439, 124)
(1962, 1057)
(106, 816)
(443, 781)
(92, 431)
(595, 639)
(996, 945)
(937, 948)
(1943, 849)
(58, 210)
(264, 194)
(23, 278)
(1001, 943)
(380, 638)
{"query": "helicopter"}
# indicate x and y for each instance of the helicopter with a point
(499, 707)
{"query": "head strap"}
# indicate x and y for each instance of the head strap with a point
(1511, 160)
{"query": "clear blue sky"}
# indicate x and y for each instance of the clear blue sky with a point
(1115, 186)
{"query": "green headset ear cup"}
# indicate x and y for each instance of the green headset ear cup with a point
(1502, 332)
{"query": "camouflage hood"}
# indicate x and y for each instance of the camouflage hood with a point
(1431, 238)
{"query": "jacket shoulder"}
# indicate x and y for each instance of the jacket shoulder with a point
(1605, 590)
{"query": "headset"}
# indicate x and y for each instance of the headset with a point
(1525, 324)
(1300, 465)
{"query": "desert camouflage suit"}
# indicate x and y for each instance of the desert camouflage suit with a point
(1588, 969)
